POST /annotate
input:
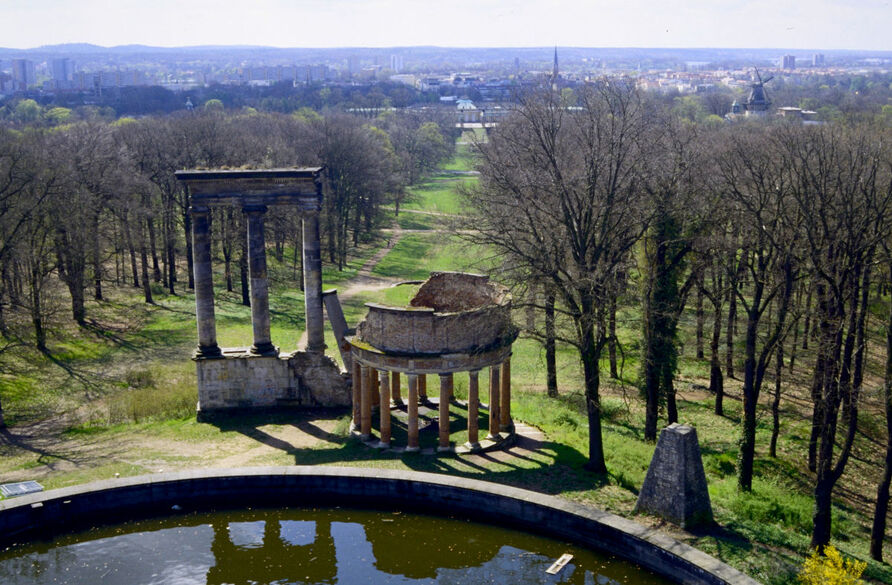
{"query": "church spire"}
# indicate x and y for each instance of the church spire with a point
(554, 73)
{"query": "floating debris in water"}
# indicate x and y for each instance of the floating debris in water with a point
(559, 564)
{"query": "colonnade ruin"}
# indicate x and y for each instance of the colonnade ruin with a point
(456, 323)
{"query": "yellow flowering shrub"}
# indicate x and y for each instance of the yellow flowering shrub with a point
(831, 569)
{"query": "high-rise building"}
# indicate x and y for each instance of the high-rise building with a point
(62, 73)
(789, 62)
(23, 74)
(62, 69)
(817, 60)
(354, 66)
(396, 63)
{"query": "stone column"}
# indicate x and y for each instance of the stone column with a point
(494, 417)
(259, 281)
(384, 427)
(395, 388)
(313, 284)
(366, 408)
(204, 283)
(473, 410)
(357, 396)
(450, 390)
(505, 409)
(413, 414)
(445, 385)
(373, 380)
(422, 387)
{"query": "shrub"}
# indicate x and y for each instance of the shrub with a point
(831, 569)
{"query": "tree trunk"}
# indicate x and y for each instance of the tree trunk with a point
(187, 228)
(156, 269)
(97, 258)
(775, 403)
(669, 389)
(611, 341)
(550, 346)
(807, 326)
(144, 265)
(226, 247)
(746, 455)
(243, 271)
(36, 313)
(821, 517)
(128, 236)
(590, 351)
(170, 247)
(817, 415)
(878, 531)
(701, 318)
(716, 380)
(651, 388)
(729, 331)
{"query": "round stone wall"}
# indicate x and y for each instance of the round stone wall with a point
(452, 313)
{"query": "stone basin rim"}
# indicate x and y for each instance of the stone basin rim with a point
(26, 516)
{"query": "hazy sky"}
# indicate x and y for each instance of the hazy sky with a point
(818, 24)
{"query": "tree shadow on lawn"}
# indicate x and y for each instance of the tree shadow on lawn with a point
(556, 469)
(30, 443)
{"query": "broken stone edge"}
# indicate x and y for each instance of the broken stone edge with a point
(44, 514)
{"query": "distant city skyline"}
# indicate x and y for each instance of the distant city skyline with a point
(818, 24)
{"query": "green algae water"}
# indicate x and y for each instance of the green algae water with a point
(294, 546)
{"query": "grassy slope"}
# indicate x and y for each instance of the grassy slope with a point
(146, 389)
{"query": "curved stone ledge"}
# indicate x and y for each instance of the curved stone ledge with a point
(116, 500)
(430, 364)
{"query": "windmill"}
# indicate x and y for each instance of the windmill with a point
(757, 103)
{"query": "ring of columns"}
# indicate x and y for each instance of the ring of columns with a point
(472, 336)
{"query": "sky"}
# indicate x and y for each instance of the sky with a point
(810, 24)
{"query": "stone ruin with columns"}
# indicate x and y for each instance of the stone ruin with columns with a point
(260, 376)
(456, 323)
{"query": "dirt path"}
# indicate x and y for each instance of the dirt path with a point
(423, 212)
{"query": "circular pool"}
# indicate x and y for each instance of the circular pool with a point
(33, 520)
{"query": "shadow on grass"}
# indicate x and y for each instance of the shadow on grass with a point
(541, 466)
(108, 334)
(84, 377)
(23, 442)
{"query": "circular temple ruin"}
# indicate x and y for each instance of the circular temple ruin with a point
(457, 322)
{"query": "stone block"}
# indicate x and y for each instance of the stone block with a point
(675, 485)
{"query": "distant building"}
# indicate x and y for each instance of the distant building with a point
(757, 103)
(817, 60)
(468, 112)
(23, 74)
(798, 114)
(62, 73)
(354, 65)
(789, 62)
(396, 63)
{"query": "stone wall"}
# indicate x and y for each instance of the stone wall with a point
(243, 380)
(424, 331)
